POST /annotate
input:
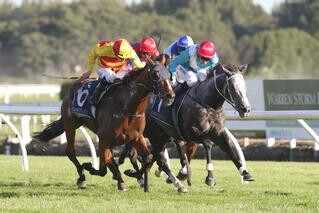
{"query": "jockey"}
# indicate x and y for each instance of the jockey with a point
(193, 65)
(111, 59)
(177, 47)
(146, 47)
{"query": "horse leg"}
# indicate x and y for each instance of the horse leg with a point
(158, 156)
(70, 152)
(141, 146)
(184, 172)
(223, 141)
(102, 169)
(123, 154)
(107, 157)
(133, 159)
(210, 180)
(158, 171)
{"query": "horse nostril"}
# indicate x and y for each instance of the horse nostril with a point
(169, 96)
(245, 109)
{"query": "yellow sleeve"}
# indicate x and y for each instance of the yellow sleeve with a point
(136, 61)
(91, 59)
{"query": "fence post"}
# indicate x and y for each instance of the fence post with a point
(63, 138)
(270, 142)
(292, 146)
(316, 151)
(25, 126)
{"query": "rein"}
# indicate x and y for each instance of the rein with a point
(199, 101)
(231, 102)
(153, 89)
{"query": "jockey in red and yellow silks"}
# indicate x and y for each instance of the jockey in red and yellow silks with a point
(113, 55)
(111, 58)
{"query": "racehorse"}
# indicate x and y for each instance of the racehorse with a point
(119, 119)
(200, 119)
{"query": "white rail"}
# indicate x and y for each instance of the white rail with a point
(298, 115)
(38, 110)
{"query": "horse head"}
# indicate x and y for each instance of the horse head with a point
(159, 82)
(234, 88)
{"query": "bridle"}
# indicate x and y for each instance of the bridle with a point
(226, 87)
(152, 77)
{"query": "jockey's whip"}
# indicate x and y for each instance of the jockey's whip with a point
(159, 41)
(61, 77)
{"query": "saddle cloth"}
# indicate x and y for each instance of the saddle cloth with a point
(81, 106)
(167, 116)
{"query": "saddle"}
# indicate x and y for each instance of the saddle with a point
(81, 106)
(167, 116)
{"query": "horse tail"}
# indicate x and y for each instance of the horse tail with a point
(52, 130)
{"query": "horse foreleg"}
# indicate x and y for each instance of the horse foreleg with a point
(210, 180)
(184, 172)
(141, 145)
(107, 157)
(223, 141)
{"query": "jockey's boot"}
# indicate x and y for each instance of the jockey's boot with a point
(94, 99)
(180, 88)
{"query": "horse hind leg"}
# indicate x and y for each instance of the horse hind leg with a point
(70, 152)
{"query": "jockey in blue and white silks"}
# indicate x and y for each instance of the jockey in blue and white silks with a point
(175, 48)
(193, 64)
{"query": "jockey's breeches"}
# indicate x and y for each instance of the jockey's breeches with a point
(189, 76)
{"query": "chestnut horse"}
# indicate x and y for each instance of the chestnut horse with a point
(119, 119)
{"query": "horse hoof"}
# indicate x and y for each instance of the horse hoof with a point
(210, 181)
(140, 182)
(130, 173)
(81, 184)
(182, 176)
(248, 177)
(168, 181)
(182, 189)
(122, 187)
(158, 173)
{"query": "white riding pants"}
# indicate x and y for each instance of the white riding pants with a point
(190, 77)
(110, 75)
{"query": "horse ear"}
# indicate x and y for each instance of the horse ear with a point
(227, 69)
(243, 68)
(219, 68)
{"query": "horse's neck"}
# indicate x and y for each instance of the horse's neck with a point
(138, 94)
(208, 94)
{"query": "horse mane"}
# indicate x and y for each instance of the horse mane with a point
(134, 73)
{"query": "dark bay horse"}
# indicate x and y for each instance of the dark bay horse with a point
(119, 119)
(201, 119)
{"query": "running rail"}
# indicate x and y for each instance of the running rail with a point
(299, 115)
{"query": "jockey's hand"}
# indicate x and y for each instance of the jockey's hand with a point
(85, 75)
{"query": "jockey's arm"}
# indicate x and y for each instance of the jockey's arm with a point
(136, 61)
(214, 61)
(181, 59)
(91, 59)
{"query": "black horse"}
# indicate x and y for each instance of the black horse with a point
(200, 119)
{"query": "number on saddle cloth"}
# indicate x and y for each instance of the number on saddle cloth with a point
(81, 105)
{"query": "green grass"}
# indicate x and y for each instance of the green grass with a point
(49, 186)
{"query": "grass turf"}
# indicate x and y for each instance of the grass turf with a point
(49, 186)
